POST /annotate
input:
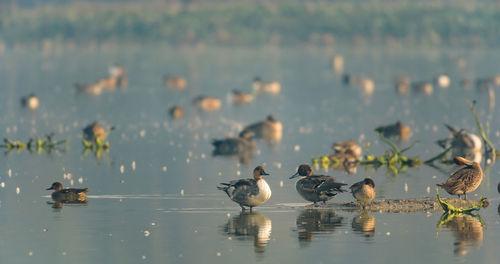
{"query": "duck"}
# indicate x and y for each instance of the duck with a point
(260, 86)
(239, 97)
(176, 112)
(348, 146)
(30, 101)
(269, 129)
(423, 87)
(366, 84)
(175, 82)
(118, 73)
(461, 140)
(234, 145)
(92, 89)
(316, 188)
(398, 130)
(346, 161)
(364, 191)
(94, 131)
(403, 84)
(207, 104)
(338, 63)
(70, 195)
(248, 192)
(465, 180)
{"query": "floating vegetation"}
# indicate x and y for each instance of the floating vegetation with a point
(96, 144)
(393, 159)
(450, 209)
(37, 144)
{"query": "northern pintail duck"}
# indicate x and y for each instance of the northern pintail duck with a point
(348, 146)
(175, 82)
(398, 130)
(461, 140)
(465, 180)
(443, 81)
(248, 192)
(425, 88)
(234, 145)
(260, 86)
(269, 129)
(239, 97)
(70, 195)
(94, 131)
(316, 188)
(31, 101)
(364, 191)
(176, 112)
(207, 104)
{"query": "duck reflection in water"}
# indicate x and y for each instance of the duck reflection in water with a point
(311, 222)
(250, 226)
(364, 224)
(242, 147)
(467, 229)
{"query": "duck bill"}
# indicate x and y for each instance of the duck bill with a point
(51, 188)
(294, 176)
(264, 173)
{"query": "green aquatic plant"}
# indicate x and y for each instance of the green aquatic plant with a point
(393, 159)
(37, 144)
(96, 144)
(448, 208)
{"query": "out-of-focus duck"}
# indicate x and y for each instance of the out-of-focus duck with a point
(465, 180)
(348, 146)
(207, 103)
(461, 139)
(248, 192)
(316, 188)
(30, 101)
(260, 86)
(176, 112)
(425, 88)
(175, 82)
(239, 97)
(398, 130)
(234, 145)
(269, 129)
(94, 131)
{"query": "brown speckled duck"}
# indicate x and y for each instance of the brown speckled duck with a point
(364, 191)
(465, 180)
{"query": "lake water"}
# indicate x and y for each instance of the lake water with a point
(166, 208)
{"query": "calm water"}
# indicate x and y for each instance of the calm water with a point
(167, 209)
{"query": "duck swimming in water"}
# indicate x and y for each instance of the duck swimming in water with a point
(269, 129)
(248, 192)
(70, 195)
(316, 188)
(465, 180)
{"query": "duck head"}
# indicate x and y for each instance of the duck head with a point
(258, 172)
(370, 182)
(56, 186)
(304, 170)
(462, 161)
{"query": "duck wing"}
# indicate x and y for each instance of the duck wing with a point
(326, 183)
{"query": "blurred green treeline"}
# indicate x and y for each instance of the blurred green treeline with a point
(457, 23)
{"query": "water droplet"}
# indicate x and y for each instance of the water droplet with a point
(122, 169)
(164, 168)
(143, 257)
(80, 180)
(9, 172)
(18, 190)
(388, 233)
(142, 133)
(428, 189)
(296, 148)
(133, 165)
(182, 192)
(218, 254)
(147, 233)
(30, 253)
(220, 173)
(281, 183)
(238, 173)
(200, 179)
(2, 184)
